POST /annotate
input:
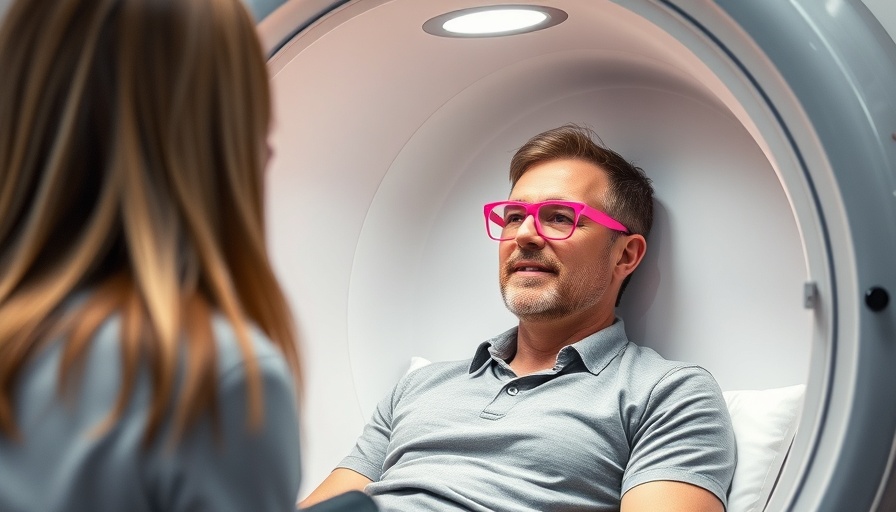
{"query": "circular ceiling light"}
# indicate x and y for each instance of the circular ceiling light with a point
(495, 20)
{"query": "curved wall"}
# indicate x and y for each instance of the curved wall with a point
(389, 140)
(723, 282)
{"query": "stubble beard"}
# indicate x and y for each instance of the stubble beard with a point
(525, 300)
(533, 299)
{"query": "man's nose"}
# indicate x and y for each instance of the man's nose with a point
(527, 234)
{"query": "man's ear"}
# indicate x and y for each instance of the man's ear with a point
(630, 256)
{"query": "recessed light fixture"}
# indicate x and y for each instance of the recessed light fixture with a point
(494, 20)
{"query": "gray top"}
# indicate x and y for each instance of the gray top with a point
(609, 416)
(60, 466)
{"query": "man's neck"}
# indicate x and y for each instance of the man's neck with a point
(539, 341)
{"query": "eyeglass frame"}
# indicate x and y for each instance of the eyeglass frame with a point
(580, 209)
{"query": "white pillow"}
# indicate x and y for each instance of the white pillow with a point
(417, 362)
(764, 425)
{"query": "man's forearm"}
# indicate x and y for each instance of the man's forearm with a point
(340, 481)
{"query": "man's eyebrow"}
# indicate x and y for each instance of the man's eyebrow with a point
(543, 200)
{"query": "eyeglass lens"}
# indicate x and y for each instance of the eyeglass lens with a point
(556, 221)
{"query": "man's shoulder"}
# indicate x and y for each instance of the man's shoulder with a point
(424, 376)
(425, 371)
(644, 367)
(648, 359)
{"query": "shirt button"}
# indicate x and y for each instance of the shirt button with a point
(512, 391)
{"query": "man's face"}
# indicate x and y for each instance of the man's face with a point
(548, 279)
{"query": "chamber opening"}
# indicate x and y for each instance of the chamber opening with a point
(386, 123)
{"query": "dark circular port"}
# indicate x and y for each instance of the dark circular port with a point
(877, 298)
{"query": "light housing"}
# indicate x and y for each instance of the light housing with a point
(494, 21)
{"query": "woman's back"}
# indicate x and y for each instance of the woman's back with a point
(64, 464)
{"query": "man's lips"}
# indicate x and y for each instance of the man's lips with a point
(531, 267)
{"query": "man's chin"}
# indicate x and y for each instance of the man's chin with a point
(533, 313)
(523, 301)
(528, 282)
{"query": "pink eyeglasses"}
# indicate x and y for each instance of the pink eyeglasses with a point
(554, 220)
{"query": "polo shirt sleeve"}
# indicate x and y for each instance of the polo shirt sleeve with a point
(369, 454)
(684, 434)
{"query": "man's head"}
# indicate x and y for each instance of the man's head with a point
(546, 276)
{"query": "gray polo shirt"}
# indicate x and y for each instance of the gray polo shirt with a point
(610, 415)
(61, 465)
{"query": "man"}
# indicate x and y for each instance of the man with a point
(561, 412)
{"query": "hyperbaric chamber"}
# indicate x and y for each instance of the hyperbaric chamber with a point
(767, 127)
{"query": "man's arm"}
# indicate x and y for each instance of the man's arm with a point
(684, 451)
(668, 496)
(367, 457)
(341, 480)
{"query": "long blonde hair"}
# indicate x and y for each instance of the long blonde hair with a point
(132, 152)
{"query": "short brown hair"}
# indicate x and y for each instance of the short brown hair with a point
(630, 198)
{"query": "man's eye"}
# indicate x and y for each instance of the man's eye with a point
(559, 218)
(513, 218)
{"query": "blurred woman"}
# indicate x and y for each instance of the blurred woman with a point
(147, 354)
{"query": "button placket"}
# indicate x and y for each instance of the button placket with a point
(506, 398)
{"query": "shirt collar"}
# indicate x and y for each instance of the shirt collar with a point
(502, 346)
(596, 351)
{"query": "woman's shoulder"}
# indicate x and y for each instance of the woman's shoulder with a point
(230, 355)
